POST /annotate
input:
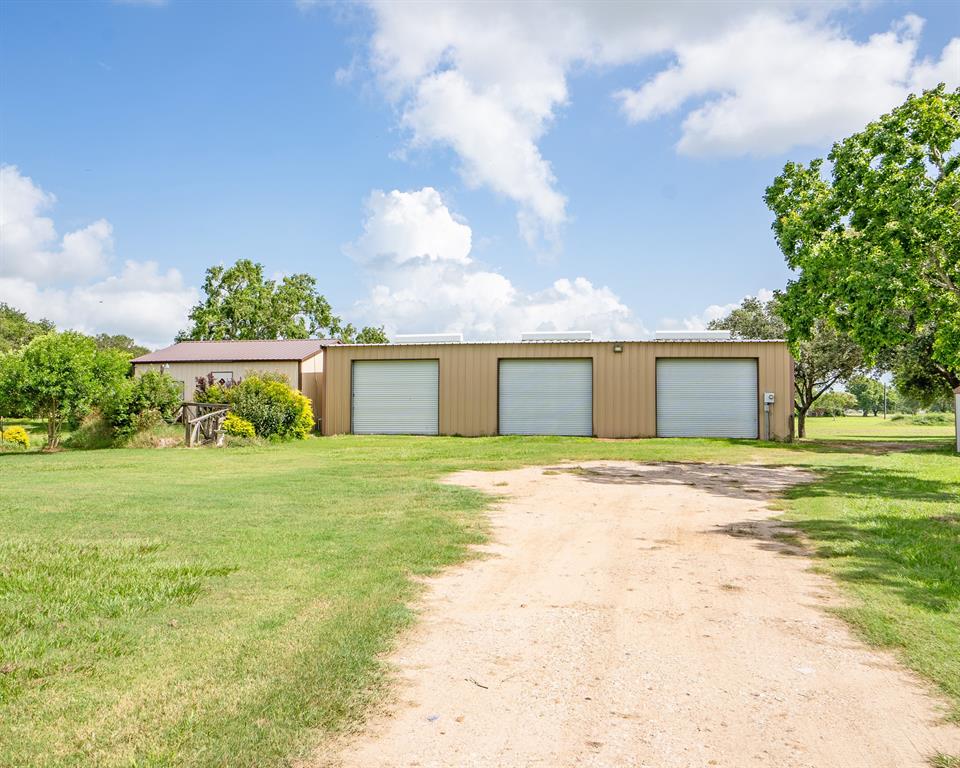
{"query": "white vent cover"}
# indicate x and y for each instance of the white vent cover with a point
(692, 335)
(557, 336)
(427, 338)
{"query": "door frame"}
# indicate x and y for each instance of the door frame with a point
(354, 361)
(656, 412)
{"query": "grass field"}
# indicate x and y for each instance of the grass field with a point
(227, 607)
(874, 428)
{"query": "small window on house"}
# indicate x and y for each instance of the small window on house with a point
(223, 377)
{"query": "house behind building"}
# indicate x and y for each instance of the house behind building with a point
(301, 361)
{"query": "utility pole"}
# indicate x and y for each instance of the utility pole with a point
(884, 399)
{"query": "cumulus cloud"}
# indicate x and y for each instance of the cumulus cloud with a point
(488, 79)
(67, 279)
(774, 83)
(700, 320)
(29, 244)
(416, 254)
(408, 226)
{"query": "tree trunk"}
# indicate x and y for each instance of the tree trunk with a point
(802, 421)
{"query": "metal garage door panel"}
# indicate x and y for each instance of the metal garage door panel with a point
(396, 397)
(546, 397)
(707, 398)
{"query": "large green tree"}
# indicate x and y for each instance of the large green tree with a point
(17, 330)
(823, 359)
(120, 342)
(240, 303)
(369, 335)
(59, 376)
(870, 393)
(875, 238)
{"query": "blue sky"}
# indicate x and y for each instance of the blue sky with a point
(489, 169)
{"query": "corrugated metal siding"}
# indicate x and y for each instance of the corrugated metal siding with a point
(624, 383)
(707, 398)
(396, 397)
(546, 397)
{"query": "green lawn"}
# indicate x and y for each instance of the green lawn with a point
(227, 607)
(875, 428)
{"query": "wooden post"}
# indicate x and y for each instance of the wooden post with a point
(185, 416)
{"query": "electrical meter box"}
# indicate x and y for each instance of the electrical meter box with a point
(768, 398)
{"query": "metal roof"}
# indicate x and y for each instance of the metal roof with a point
(580, 341)
(210, 351)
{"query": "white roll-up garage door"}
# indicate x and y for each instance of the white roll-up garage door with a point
(396, 397)
(707, 398)
(546, 397)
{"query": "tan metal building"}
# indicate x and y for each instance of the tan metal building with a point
(301, 361)
(611, 389)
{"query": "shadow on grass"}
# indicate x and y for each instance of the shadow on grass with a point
(887, 528)
(918, 558)
(739, 482)
(758, 482)
(873, 446)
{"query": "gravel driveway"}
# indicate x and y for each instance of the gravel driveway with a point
(642, 615)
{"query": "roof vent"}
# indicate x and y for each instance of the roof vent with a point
(428, 338)
(557, 336)
(693, 336)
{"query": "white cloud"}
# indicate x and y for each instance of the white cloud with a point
(29, 245)
(775, 82)
(488, 79)
(700, 321)
(67, 280)
(417, 256)
(407, 226)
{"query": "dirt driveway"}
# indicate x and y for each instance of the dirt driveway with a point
(642, 615)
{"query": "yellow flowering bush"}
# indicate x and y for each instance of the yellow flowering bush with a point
(238, 427)
(16, 434)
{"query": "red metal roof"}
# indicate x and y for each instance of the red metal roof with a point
(203, 351)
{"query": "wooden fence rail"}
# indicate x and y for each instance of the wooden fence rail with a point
(203, 422)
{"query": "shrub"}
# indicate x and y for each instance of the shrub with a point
(930, 419)
(16, 434)
(137, 405)
(160, 392)
(94, 432)
(237, 426)
(273, 408)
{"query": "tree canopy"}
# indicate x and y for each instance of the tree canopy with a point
(824, 358)
(240, 303)
(877, 244)
(753, 319)
(870, 393)
(370, 335)
(59, 376)
(17, 330)
(120, 342)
